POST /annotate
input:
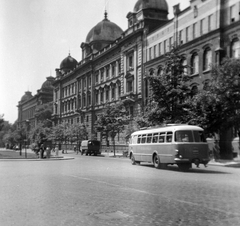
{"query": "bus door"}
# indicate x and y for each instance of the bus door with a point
(166, 148)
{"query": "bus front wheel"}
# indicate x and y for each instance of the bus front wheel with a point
(156, 162)
(133, 160)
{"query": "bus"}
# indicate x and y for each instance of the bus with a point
(168, 145)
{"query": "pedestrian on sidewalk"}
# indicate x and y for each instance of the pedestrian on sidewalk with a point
(56, 150)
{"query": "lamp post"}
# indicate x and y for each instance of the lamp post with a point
(27, 125)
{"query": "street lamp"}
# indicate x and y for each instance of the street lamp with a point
(27, 124)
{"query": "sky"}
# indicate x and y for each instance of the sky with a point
(36, 35)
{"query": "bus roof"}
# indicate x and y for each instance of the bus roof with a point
(169, 127)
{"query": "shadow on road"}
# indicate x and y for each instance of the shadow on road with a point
(192, 170)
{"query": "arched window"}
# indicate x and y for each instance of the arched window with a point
(160, 70)
(235, 49)
(194, 90)
(184, 64)
(207, 59)
(195, 63)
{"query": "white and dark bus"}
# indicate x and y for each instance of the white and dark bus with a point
(168, 145)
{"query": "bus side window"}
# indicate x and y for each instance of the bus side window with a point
(162, 138)
(169, 137)
(199, 136)
(149, 138)
(143, 139)
(155, 138)
(139, 139)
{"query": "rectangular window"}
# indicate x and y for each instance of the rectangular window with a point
(107, 95)
(159, 48)
(180, 37)
(102, 75)
(150, 53)
(194, 30)
(162, 137)
(149, 138)
(187, 34)
(113, 70)
(143, 140)
(113, 93)
(202, 27)
(119, 66)
(96, 78)
(96, 97)
(170, 42)
(184, 136)
(210, 23)
(165, 46)
(139, 139)
(155, 138)
(107, 72)
(169, 137)
(155, 51)
(129, 86)
(232, 13)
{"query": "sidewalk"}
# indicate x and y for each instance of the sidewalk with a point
(28, 154)
(227, 163)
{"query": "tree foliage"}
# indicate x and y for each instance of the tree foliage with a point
(44, 112)
(111, 122)
(217, 107)
(170, 91)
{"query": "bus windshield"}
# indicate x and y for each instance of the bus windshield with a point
(189, 136)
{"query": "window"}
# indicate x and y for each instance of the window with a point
(150, 53)
(165, 46)
(169, 137)
(139, 139)
(107, 95)
(107, 71)
(129, 85)
(113, 70)
(143, 139)
(195, 63)
(210, 23)
(184, 64)
(199, 136)
(202, 27)
(155, 51)
(194, 90)
(180, 37)
(113, 93)
(96, 78)
(194, 30)
(119, 66)
(96, 97)
(162, 137)
(184, 136)
(232, 13)
(102, 75)
(130, 62)
(149, 138)
(159, 48)
(170, 43)
(187, 34)
(155, 138)
(101, 96)
(207, 59)
(235, 49)
(89, 99)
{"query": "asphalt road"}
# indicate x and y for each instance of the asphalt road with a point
(94, 191)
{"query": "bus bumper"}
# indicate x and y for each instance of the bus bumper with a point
(196, 161)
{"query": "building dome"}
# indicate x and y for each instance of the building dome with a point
(48, 83)
(151, 4)
(68, 63)
(26, 96)
(104, 32)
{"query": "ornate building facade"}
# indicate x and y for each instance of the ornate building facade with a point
(115, 62)
(28, 103)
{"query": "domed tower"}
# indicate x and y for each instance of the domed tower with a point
(101, 35)
(67, 64)
(26, 96)
(153, 12)
(47, 85)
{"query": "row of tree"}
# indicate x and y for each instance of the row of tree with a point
(216, 107)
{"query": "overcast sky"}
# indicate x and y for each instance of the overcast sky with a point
(36, 35)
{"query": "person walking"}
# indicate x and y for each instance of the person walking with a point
(56, 150)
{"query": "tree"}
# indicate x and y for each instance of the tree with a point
(1, 122)
(217, 108)
(44, 112)
(170, 92)
(111, 122)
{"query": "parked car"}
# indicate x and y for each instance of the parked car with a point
(90, 147)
